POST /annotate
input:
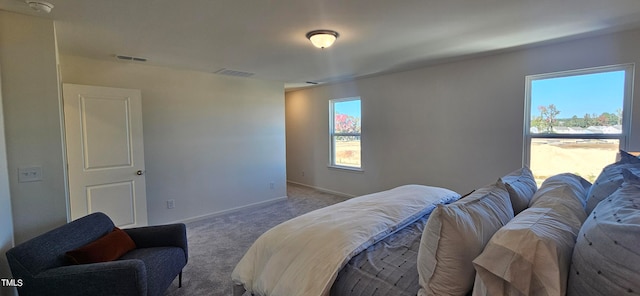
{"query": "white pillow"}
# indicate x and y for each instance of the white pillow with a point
(610, 179)
(521, 186)
(455, 234)
(531, 254)
(552, 188)
(606, 258)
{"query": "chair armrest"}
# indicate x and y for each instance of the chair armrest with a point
(170, 235)
(120, 277)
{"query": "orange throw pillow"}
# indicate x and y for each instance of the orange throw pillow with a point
(107, 248)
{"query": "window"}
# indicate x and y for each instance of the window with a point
(576, 121)
(344, 132)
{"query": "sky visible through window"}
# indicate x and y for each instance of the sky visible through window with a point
(580, 94)
(351, 108)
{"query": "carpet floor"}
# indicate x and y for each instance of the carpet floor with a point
(216, 244)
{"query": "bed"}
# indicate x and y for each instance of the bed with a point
(507, 238)
(388, 267)
(302, 256)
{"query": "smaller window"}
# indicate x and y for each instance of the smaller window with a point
(345, 121)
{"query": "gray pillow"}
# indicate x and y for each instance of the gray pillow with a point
(606, 258)
(610, 179)
(454, 235)
(521, 186)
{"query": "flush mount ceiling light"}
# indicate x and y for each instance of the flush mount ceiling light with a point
(40, 6)
(322, 38)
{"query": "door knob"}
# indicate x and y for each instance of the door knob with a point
(139, 172)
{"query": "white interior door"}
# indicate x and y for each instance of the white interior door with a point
(105, 153)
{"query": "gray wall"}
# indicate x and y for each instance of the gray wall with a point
(32, 122)
(6, 230)
(457, 125)
(212, 143)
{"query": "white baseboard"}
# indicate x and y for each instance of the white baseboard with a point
(323, 189)
(227, 211)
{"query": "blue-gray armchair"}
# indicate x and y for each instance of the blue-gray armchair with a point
(149, 269)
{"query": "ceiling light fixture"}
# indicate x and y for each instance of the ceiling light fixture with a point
(40, 6)
(322, 38)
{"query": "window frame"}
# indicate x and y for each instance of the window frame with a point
(332, 134)
(627, 104)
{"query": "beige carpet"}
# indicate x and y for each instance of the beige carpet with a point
(216, 244)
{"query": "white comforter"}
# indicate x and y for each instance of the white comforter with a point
(302, 256)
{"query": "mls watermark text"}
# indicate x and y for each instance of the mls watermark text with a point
(11, 282)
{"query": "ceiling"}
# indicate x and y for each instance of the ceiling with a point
(267, 37)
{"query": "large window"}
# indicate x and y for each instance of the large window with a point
(345, 121)
(576, 121)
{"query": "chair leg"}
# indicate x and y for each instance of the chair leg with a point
(238, 290)
(180, 280)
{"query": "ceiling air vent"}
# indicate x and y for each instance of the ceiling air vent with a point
(228, 72)
(129, 58)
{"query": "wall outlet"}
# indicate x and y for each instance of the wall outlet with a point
(302, 173)
(272, 185)
(171, 204)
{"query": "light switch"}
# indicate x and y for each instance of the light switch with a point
(29, 174)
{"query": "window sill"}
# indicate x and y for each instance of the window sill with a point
(346, 168)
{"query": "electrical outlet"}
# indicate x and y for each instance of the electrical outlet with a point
(171, 204)
(303, 173)
(271, 185)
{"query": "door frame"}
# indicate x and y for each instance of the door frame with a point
(63, 133)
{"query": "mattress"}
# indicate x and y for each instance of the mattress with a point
(385, 268)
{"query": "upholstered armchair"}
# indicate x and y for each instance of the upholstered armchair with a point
(46, 268)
